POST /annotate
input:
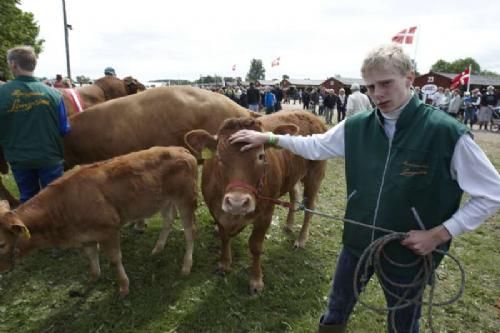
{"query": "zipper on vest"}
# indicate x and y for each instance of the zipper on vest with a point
(380, 190)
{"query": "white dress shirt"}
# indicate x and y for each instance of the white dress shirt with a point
(470, 167)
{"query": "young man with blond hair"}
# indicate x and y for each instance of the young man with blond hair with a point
(400, 158)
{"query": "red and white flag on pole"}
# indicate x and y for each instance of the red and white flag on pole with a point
(405, 36)
(275, 62)
(461, 79)
(234, 68)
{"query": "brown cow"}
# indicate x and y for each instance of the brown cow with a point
(241, 188)
(155, 117)
(103, 89)
(86, 207)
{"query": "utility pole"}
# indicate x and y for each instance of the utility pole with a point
(66, 27)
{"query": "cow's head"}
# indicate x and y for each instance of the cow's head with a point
(242, 174)
(11, 229)
(132, 85)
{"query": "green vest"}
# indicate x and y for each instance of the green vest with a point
(386, 179)
(29, 123)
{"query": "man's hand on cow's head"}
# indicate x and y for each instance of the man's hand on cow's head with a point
(253, 138)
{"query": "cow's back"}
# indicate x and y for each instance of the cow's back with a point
(155, 117)
(125, 188)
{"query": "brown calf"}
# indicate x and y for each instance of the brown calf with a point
(241, 188)
(87, 207)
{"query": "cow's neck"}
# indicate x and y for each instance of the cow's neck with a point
(41, 229)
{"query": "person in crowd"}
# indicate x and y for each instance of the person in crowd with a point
(253, 97)
(357, 101)
(109, 71)
(418, 92)
(455, 104)
(244, 98)
(329, 105)
(278, 93)
(32, 123)
(469, 110)
(269, 101)
(314, 100)
(341, 105)
(58, 83)
(436, 97)
(444, 100)
(404, 160)
(306, 98)
(488, 103)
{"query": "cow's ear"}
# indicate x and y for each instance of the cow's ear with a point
(4, 205)
(199, 141)
(291, 129)
(255, 115)
(17, 226)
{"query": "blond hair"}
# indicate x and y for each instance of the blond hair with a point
(387, 55)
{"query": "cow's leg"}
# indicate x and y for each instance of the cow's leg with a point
(225, 255)
(111, 248)
(168, 214)
(188, 222)
(294, 197)
(255, 244)
(312, 181)
(92, 252)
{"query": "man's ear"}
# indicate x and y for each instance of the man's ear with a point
(201, 143)
(291, 129)
(410, 77)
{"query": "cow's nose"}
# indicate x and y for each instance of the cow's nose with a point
(238, 204)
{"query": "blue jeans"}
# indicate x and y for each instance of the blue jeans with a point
(342, 299)
(31, 181)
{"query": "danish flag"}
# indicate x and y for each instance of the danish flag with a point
(405, 36)
(460, 79)
(275, 62)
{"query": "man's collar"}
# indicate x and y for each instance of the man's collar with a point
(26, 78)
(406, 112)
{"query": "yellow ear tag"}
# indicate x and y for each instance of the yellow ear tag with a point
(206, 153)
(25, 233)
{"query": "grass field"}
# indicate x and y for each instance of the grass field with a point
(45, 294)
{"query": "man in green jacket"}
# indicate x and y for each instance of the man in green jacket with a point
(32, 123)
(407, 165)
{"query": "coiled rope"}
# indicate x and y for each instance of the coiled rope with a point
(372, 257)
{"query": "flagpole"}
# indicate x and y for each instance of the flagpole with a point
(416, 46)
(470, 78)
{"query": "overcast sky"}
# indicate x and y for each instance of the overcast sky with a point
(314, 39)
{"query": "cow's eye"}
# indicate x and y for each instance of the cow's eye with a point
(261, 156)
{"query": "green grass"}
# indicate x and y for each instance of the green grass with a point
(45, 294)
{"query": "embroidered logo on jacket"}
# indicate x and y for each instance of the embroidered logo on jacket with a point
(413, 169)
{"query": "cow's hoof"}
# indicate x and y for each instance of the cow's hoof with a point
(299, 245)
(256, 289)
(75, 293)
(221, 270)
(123, 293)
(185, 271)
(140, 227)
